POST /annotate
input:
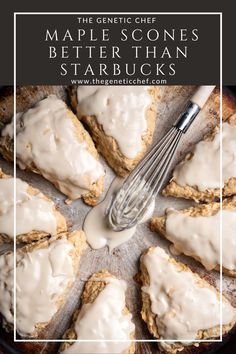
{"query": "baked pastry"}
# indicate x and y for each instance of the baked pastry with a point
(52, 142)
(198, 175)
(121, 120)
(178, 304)
(36, 215)
(45, 271)
(102, 315)
(195, 232)
(26, 97)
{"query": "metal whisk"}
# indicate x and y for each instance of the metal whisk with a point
(129, 205)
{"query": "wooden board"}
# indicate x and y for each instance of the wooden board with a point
(124, 260)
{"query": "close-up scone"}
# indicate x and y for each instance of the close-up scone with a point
(36, 215)
(52, 142)
(121, 120)
(195, 232)
(45, 271)
(102, 315)
(198, 175)
(178, 304)
(26, 97)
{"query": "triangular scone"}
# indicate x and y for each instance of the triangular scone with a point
(26, 97)
(198, 175)
(179, 305)
(52, 142)
(44, 273)
(36, 215)
(121, 120)
(195, 232)
(102, 315)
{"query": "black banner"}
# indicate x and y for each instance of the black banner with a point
(118, 48)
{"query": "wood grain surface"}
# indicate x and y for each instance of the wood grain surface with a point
(124, 260)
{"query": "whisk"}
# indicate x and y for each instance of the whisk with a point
(130, 204)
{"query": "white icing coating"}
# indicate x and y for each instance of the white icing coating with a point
(182, 305)
(96, 228)
(33, 212)
(200, 236)
(6, 287)
(41, 278)
(104, 319)
(120, 110)
(203, 170)
(46, 138)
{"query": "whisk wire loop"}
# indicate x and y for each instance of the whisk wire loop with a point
(141, 186)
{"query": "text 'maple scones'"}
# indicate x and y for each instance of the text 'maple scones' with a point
(121, 120)
(178, 304)
(36, 215)
(52, 142)
(45, 271)
(195, 231)
(198, 175)
(102, 315)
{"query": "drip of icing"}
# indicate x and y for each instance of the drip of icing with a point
(176, 295)
(96, 228)
(33, 212)
(104, 318)
(120, 110)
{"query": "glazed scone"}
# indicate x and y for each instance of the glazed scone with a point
(198, 175)
(36, 215)
(121, 120)
(195, 232)
(102, 315)
(52, 142)
(26, 97)
(44, 273)
(178, 304)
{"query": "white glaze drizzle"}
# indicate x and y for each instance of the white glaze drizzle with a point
(120, 110)
(96, 228)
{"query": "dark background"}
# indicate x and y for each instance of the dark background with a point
(9, 6)
(201, 67)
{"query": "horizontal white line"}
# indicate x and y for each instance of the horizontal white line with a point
(118, 340)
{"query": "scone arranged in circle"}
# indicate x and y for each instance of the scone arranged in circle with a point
(26, 97)
(195, 232)
(45, 271)
(121, 120)
(52, 142)
(198, 175)
(179, 305)
(103, 315)
(36, 215)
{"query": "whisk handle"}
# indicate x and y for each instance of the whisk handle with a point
(196, 103)
(201, 95)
